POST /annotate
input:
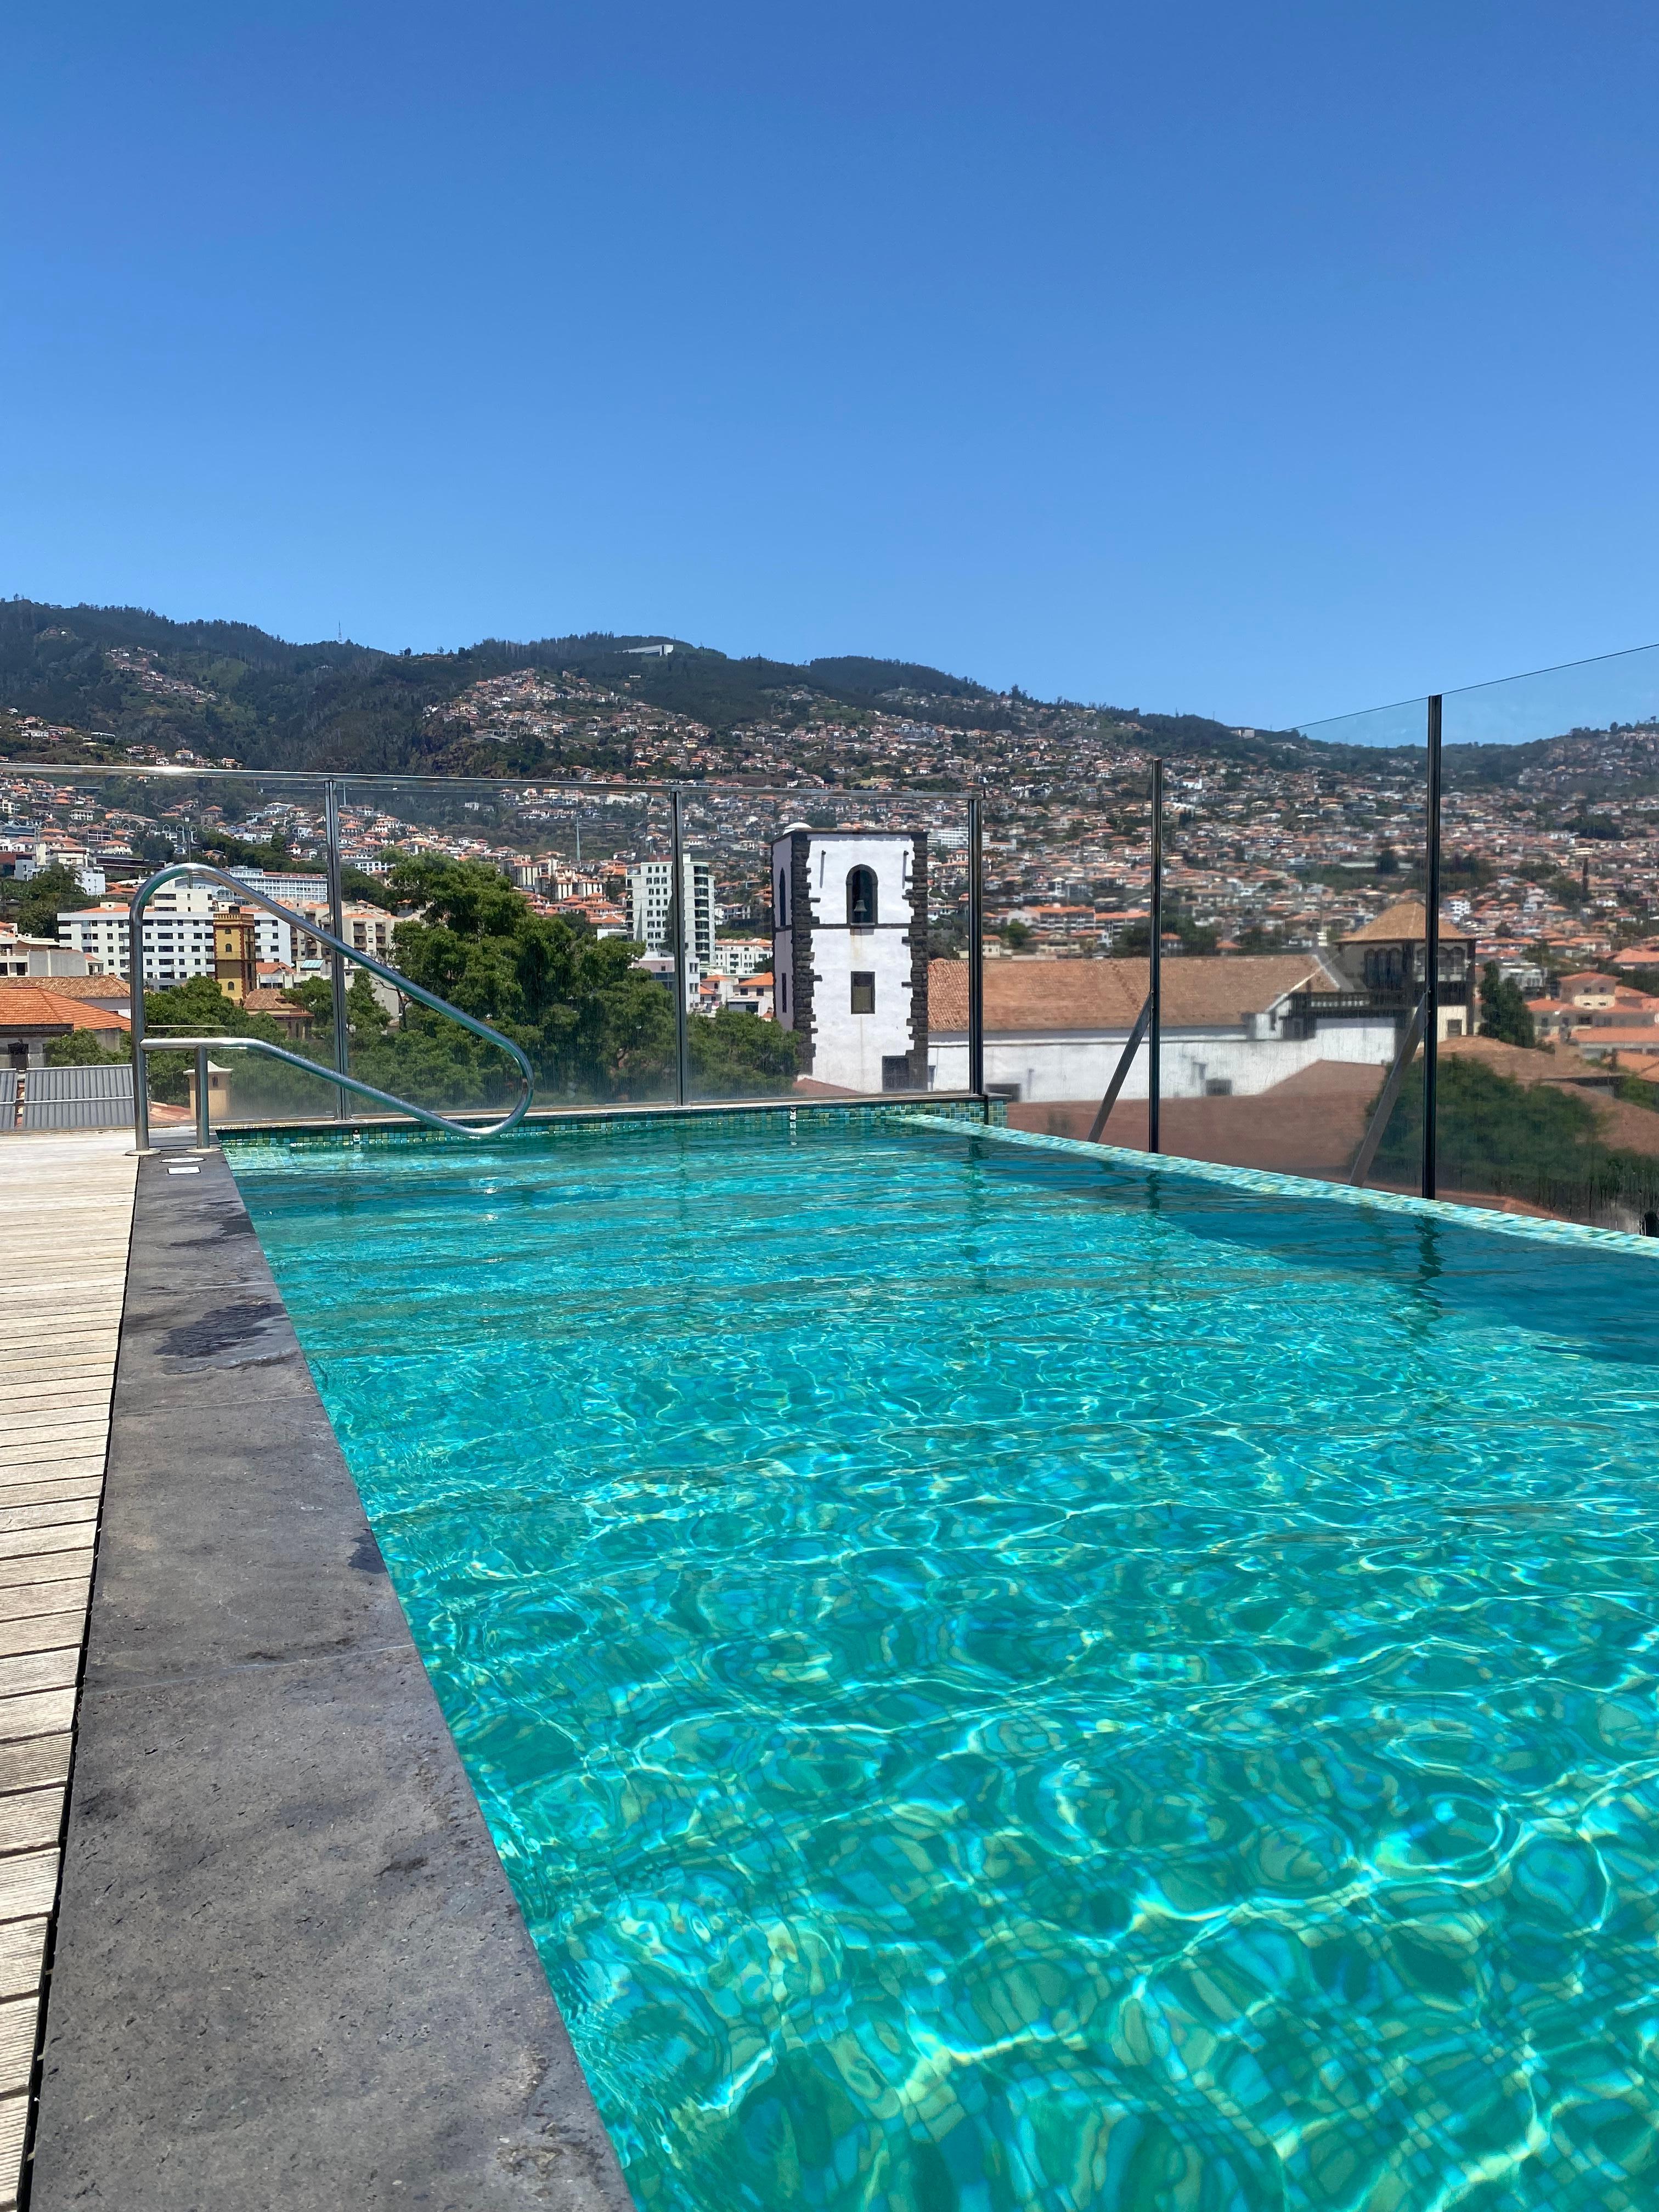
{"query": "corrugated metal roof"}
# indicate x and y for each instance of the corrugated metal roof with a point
(66, 1097)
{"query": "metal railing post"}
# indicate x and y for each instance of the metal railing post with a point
(1431, 960)
(336, 923)
(976, 948)
(1155, 979)
(203, 1125)
(676, 928)
(141, 1142)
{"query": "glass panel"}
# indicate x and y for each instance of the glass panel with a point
(1550, 890)
(76, 847)
(817, 922)
(520, 902)
(1293, 946)
(1067, 933)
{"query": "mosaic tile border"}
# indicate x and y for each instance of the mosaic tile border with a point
(1264, 1184)
(717, 1121)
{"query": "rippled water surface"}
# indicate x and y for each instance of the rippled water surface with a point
(1000, 1681)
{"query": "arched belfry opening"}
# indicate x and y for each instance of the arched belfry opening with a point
(862, 899)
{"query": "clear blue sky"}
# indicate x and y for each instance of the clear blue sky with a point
(1266, 359)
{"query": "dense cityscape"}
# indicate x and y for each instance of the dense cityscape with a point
(1562, 862)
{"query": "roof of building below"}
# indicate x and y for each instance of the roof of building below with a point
(1562, 1066)
(31, 1007)
(277, 1004)
(1204, 991)
(102, 990)
(1405, 922)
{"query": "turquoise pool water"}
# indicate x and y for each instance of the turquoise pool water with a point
(1001, 1680)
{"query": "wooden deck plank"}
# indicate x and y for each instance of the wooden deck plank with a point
(68, 1592)
(28, 1885)
(44, 1712)
(68, 1193)
(16, 2047)
(23, 1672)
(53, 1513)
(22, 1948)
(44, 1631)
(41, 1763)
(25, 1574)
(31, 1819)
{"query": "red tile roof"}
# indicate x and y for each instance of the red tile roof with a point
(35, 1007)
(1201, 991)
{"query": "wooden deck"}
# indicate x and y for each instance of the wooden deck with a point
(65, 1222)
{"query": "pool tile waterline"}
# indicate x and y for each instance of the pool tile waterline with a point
(993, 1692)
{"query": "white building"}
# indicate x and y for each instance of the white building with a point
(178, 934)
(743, 956)
(849, 945)
(1055, 1030)
(288, 890)
(651, 918)
(40, 956)
(24, 867)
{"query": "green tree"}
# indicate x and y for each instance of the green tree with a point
(1504, 1013)
(1387, 861)
(593, 1024)
(197, 1007)
(736, 1054)
(81, 1049)
(1515, 1139)
(35, 906)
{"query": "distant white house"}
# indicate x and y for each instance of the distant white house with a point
(1055, 1030)
(850, 954)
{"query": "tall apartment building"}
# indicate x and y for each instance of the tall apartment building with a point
(849, 934)
(650, 915)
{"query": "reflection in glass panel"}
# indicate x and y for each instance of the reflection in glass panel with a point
(544, 909)
(1550, 875)
(1068, 884)
(1291, 954)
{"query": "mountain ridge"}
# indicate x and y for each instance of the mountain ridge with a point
(119, 685)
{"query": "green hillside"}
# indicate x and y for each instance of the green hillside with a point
(121, 678)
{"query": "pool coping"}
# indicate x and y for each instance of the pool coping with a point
(288, 1965)
(1265, 1183)
(640, 1110)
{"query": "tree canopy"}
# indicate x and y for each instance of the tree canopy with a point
(593, 1024)
(1504, 1013)
(1515, 1139)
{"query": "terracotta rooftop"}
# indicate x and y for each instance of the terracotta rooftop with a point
(35, 1007)
(1405, 922)
(1564, 1066)
(276, 1003)
(112, 987)
(1202, 991)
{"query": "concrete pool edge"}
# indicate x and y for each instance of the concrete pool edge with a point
(289, 1966)
(1263, 1182)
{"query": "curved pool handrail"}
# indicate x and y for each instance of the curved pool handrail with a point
(140, 898)
(316, 1068)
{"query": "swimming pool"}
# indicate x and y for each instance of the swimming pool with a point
(1004, 1680)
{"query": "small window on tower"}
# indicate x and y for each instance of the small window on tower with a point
(783, 900)
(864, 992)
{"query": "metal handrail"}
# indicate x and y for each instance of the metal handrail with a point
(342, 951)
